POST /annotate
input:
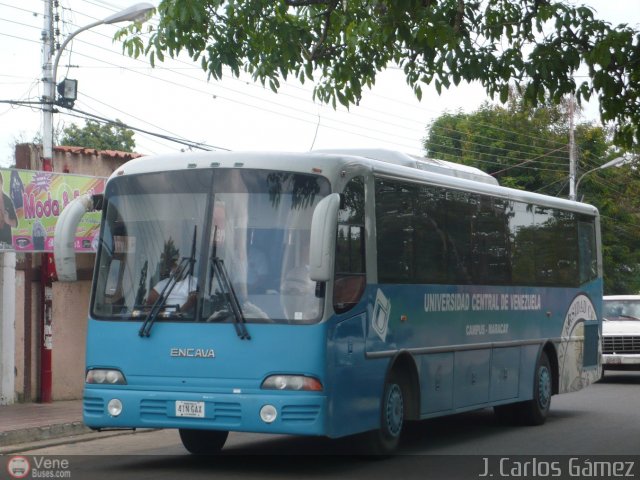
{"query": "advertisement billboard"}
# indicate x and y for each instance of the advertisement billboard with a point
(31, 203)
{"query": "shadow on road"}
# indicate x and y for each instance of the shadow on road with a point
(622, 377)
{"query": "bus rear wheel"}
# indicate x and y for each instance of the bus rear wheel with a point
(385, 440)
(203, 442)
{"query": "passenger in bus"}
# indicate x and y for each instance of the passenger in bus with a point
(184, 291)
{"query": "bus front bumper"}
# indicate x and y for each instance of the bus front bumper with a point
(297, 413)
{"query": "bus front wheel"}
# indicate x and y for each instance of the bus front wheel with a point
(385, 440)
(203, 442)
(535, 411)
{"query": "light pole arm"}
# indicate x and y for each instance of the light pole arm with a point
(582, 176)
(54, 71)
(134, 13)
(611, 163)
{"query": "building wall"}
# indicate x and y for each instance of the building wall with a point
(7, 327)
(27, 332)
(70, 303)
(76, 160)
(70, 307)
(20, 353)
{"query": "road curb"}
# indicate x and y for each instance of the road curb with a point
(19, 441)
(47, 432)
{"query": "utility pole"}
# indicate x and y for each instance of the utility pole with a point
(46, 287)
(572, 153)
(48, 95)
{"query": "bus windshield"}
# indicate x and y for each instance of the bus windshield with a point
(187, 245)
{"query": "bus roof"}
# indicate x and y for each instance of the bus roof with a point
(330, 163)
(421, 163)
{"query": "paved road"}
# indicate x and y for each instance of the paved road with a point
(601, 420)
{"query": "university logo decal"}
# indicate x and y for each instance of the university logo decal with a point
(571, 351)
(380, 319)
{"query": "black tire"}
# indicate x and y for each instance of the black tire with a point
(536, 410)
(203, 442)
(385, 440)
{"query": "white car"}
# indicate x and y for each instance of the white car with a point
(621, 332)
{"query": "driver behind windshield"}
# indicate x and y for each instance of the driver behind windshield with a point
(183, 294)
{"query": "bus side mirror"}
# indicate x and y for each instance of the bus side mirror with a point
(64, 237)
(323, 238)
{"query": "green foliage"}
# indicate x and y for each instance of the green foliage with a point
(522, 146)
(526, 147)
(101, 137)
(343, 44)
(616, 193)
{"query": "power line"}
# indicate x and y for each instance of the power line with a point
(386, 122)
(251, 105)
(520, 153)
(296, 113)
(466, 135)
(489, 162)
(134, 117)
(199, 146)
(269, 110)
(352, 114)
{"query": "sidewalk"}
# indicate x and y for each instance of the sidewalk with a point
(46, 423)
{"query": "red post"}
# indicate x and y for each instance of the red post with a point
(46, 347)
(46, 373)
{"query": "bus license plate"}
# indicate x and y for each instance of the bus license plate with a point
(189, 409)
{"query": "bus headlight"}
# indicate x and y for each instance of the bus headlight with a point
(105, 376)
(292, 382)
(114, 407)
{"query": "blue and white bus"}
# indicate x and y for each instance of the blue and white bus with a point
(335, 293)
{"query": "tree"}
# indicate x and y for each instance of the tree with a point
(522, 146)
(537, 44)
(526, 147)
(113, 136)
(616, 193)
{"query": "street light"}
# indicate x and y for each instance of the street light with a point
(131, 14)
(611, 163)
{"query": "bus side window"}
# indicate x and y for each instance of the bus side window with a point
(395, 231)
(490, 243)
(350, 271)
(588, 259)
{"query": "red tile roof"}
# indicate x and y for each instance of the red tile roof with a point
(93, 151)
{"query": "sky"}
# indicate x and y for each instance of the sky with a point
(176, 99)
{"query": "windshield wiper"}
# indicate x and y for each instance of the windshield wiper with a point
(160, 303)
(630, 317)
(230, 296)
